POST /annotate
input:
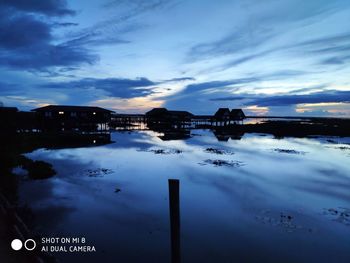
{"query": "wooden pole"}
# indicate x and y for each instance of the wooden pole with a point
(174, 204)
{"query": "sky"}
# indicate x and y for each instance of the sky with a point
(271, 57)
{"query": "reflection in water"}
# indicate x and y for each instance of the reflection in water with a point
(224, 135)
(269, 209)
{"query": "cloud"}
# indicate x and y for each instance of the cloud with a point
(65, 24)
(45, 56)
(109, 30)
(179, 79)
(241, 39)
(131, 93)
(244, 59)
(336, 48)
(134, 105)
(259, 26)
(95, 39)
(138, 6)
(114, 87)
(230, 98)
(205, 86)
(26, 41)
(47, 7)
(326, 41)
(259, 34)
(232, 84)
(339, 60)
(317, 97)
(22, 30)
(8, 88)
(328, 96)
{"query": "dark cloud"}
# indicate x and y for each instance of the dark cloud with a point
(115, 87)
(179, 79)
(315, 88)
(95, 39)
(139, 6)
(336, 47)
(22, 30)
(334, 44)
(8, 88)
(241, 60)
(326, 41)
(44, 56)
(26, 41)
(230, 98)
(220, 85)
(339, 60)
(289, 100)
(46, 7)
(317, 97)
(110, 30)
(237, 41)
(259, 28)
(217, 84)
(251, 40)
(65, 24)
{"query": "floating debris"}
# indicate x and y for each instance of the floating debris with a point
(218, 151)
(222, 163)
(100, 172)
(341, 215)
(288, 151)
(284, 221)
(165, 151)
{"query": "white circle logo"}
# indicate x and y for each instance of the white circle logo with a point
(16, 244)
(30, 244)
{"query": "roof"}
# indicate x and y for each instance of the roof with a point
(221, 112)
(237, 112)
(157, 111)
(180, 113)
(200, 117)
(70, 108)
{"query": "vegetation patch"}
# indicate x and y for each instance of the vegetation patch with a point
(283, 220)
(288, 151)
(222, 163)
(341, 215)
(218, 151)
(100, 172)
(166, 151)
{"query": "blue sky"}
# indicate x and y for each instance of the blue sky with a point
(273, 57)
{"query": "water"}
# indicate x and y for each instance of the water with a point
(257, 199)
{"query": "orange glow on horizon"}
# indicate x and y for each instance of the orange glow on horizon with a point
(139, 104)
(255, 109)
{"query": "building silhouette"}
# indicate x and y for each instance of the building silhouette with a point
(72, 118)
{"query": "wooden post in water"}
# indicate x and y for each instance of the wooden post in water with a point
(174, 204)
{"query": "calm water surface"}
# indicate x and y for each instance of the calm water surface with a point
(257, 199)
